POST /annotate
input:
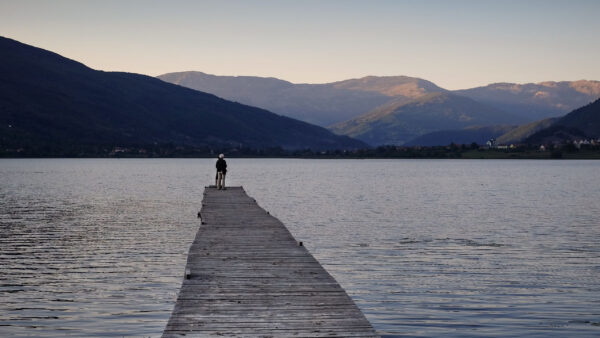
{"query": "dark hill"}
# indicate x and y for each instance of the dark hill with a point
(49, 101)
(580, 123)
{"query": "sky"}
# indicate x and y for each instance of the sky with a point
(455, 44)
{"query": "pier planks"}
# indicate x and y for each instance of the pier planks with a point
(250, 278)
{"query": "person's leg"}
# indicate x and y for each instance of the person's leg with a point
(220, 180)
(217, 180)
(223, 181)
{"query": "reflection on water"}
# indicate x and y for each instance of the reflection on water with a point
(425, 247)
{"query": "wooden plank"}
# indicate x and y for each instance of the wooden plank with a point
(248, 277)
(297, 334)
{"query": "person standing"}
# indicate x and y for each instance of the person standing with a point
(221, 171)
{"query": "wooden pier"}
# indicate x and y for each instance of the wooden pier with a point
(246, 276)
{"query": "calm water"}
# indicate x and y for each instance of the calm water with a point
(425, 247)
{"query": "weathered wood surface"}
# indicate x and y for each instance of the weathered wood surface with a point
(250, 278)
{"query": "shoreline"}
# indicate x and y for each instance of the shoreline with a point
(378, 153)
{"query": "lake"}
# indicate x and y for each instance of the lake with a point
(453, 248)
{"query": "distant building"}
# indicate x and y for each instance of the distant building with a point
(493, 144)
(579, 143)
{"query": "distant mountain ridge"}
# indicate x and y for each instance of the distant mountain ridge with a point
(322, 104)
(536, 100)
(319, 104)
(393, 86)
(344, 104)
(48, 101)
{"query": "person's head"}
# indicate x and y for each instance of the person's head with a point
(221, 156)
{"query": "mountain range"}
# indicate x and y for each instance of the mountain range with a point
(398, 109)
(322, 105)
(49, 102)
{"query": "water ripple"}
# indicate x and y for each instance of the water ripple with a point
(426, 248)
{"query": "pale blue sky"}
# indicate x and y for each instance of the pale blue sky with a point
(456, 44)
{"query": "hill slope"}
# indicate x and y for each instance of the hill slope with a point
(583, 122)
(46, 99)
(536, 101)
(479, 135)
(399, 121)
(519, 134)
